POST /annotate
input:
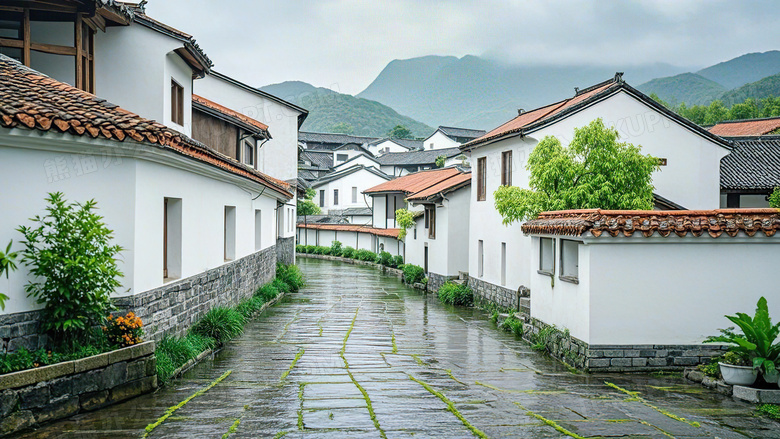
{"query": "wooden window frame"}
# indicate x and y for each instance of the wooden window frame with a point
(248, 144)
(430, 220)
(177, 102)
(506, 168)
(481, 179)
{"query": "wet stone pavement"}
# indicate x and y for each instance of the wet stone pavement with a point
(357, 354)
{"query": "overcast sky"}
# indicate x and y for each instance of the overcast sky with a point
(345, 44)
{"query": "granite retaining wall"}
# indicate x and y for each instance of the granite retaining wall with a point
(31, 397)
(487, 293)
(285, 250)
(435, 281)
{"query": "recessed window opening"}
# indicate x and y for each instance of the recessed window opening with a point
(258, 229)
(230, 233)
(570, 260)
(172, 238)
(547, 256)
(177, 103)
(481, 258)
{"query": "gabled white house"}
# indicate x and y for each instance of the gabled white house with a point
(357, 159)
(383, 146)
(450, 137)
(438, 242)
(402, 163)
(343, 189)
(689, 177)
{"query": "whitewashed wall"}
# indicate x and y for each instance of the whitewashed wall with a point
(277, 157)
(129, 182)
(438, 140)
(678, 294)
(691, 178)
(133, 69)
(360, 160)
(361, 180)
(386, 146)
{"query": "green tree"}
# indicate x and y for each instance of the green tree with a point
(73, 266)
(405, 220)
(440, 160)
(400, 132)
(745, 110)
(306, 206)
(595, 171)
(342, 128)
(774, 199)
(716, 112)
(7, 265)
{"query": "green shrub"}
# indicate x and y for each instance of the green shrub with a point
(413, 274)
(267, 292)
(7, 265)
(300, 249)
(221, 324)
(398, 261)
(512, 324)
(281, 286)
(95, 342)
(385, 259)
(365, 255)
(310, 248)
(711, 369)
(318, 250)
(454, 294)
(494, 316)
(73, 266)
(335, 248)
(248, 307)
(173, 352)
(291, 275)
(348, 252)
(770, 410)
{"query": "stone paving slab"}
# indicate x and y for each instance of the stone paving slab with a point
(390, 336)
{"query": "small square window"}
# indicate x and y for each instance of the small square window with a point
(570, 261)
(341, 157)
(547, 256)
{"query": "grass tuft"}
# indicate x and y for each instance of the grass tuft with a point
(451, 407)
(454, 294)
(221, 324)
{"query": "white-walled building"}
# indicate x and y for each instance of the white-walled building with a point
(689, 176)
(357, 159)
(399, 164)
(450, 137)
(751, 172)
(438, 241)
(383, 146)
(343, 189)
(649, 283)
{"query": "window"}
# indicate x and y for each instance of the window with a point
(322, 198)
(230, 233)
(481, 258)
(335, 197)
(258, 229)
(506, 168)
(481, 178)
(171, 238)
(570, 260)
(732, 201)
(431, 145)
(415, 231)
(503, 263)
(354, 194)
(547, 256)
(341, 157)
(249, 152)
(430, 221)
(177, 103)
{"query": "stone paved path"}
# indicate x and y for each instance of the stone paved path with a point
(376, 359)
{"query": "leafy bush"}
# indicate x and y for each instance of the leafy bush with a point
(757, 341)
(711, 369)
(405, 220)
(281, 286)
(267, 292)
(398, 261)
(335, 248)
(512, 324)
(94, 343)
(413, 274)
(454, 294)
(348, 252)
(73, 266)
(174, 352)
(7, 265)
(248, 307)
(365, 255)
(291, 275)
(385, 259)
(774, 198)
(221, 324)
(310, 248)
(770, 410)
(124, 331)
(300, 249)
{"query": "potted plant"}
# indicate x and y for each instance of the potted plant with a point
(736, 368)
(756, 344)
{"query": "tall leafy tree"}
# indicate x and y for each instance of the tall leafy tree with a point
(400, 132)
(596, 170)
(306, 206)
(342, 128)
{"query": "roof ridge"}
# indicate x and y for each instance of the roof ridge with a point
(758, 119)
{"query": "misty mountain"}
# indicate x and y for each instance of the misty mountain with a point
(690, 88)
(475, 92)
(743, 69)
(329, 109)
(769, 86)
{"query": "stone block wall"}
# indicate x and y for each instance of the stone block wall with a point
(21, 330)
(174, 307)
(486, 292)
(435, 281)
(32, 397)
(285, 250)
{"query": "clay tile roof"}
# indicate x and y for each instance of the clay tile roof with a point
(390, 233)
(747, 127)
(754, 164)
(648, 222)
(416, 157)
(445, 186)
(32, 100)
(229, 113)
(416, 182)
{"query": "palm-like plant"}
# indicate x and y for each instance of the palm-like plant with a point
(7, 265)
(756, 341)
